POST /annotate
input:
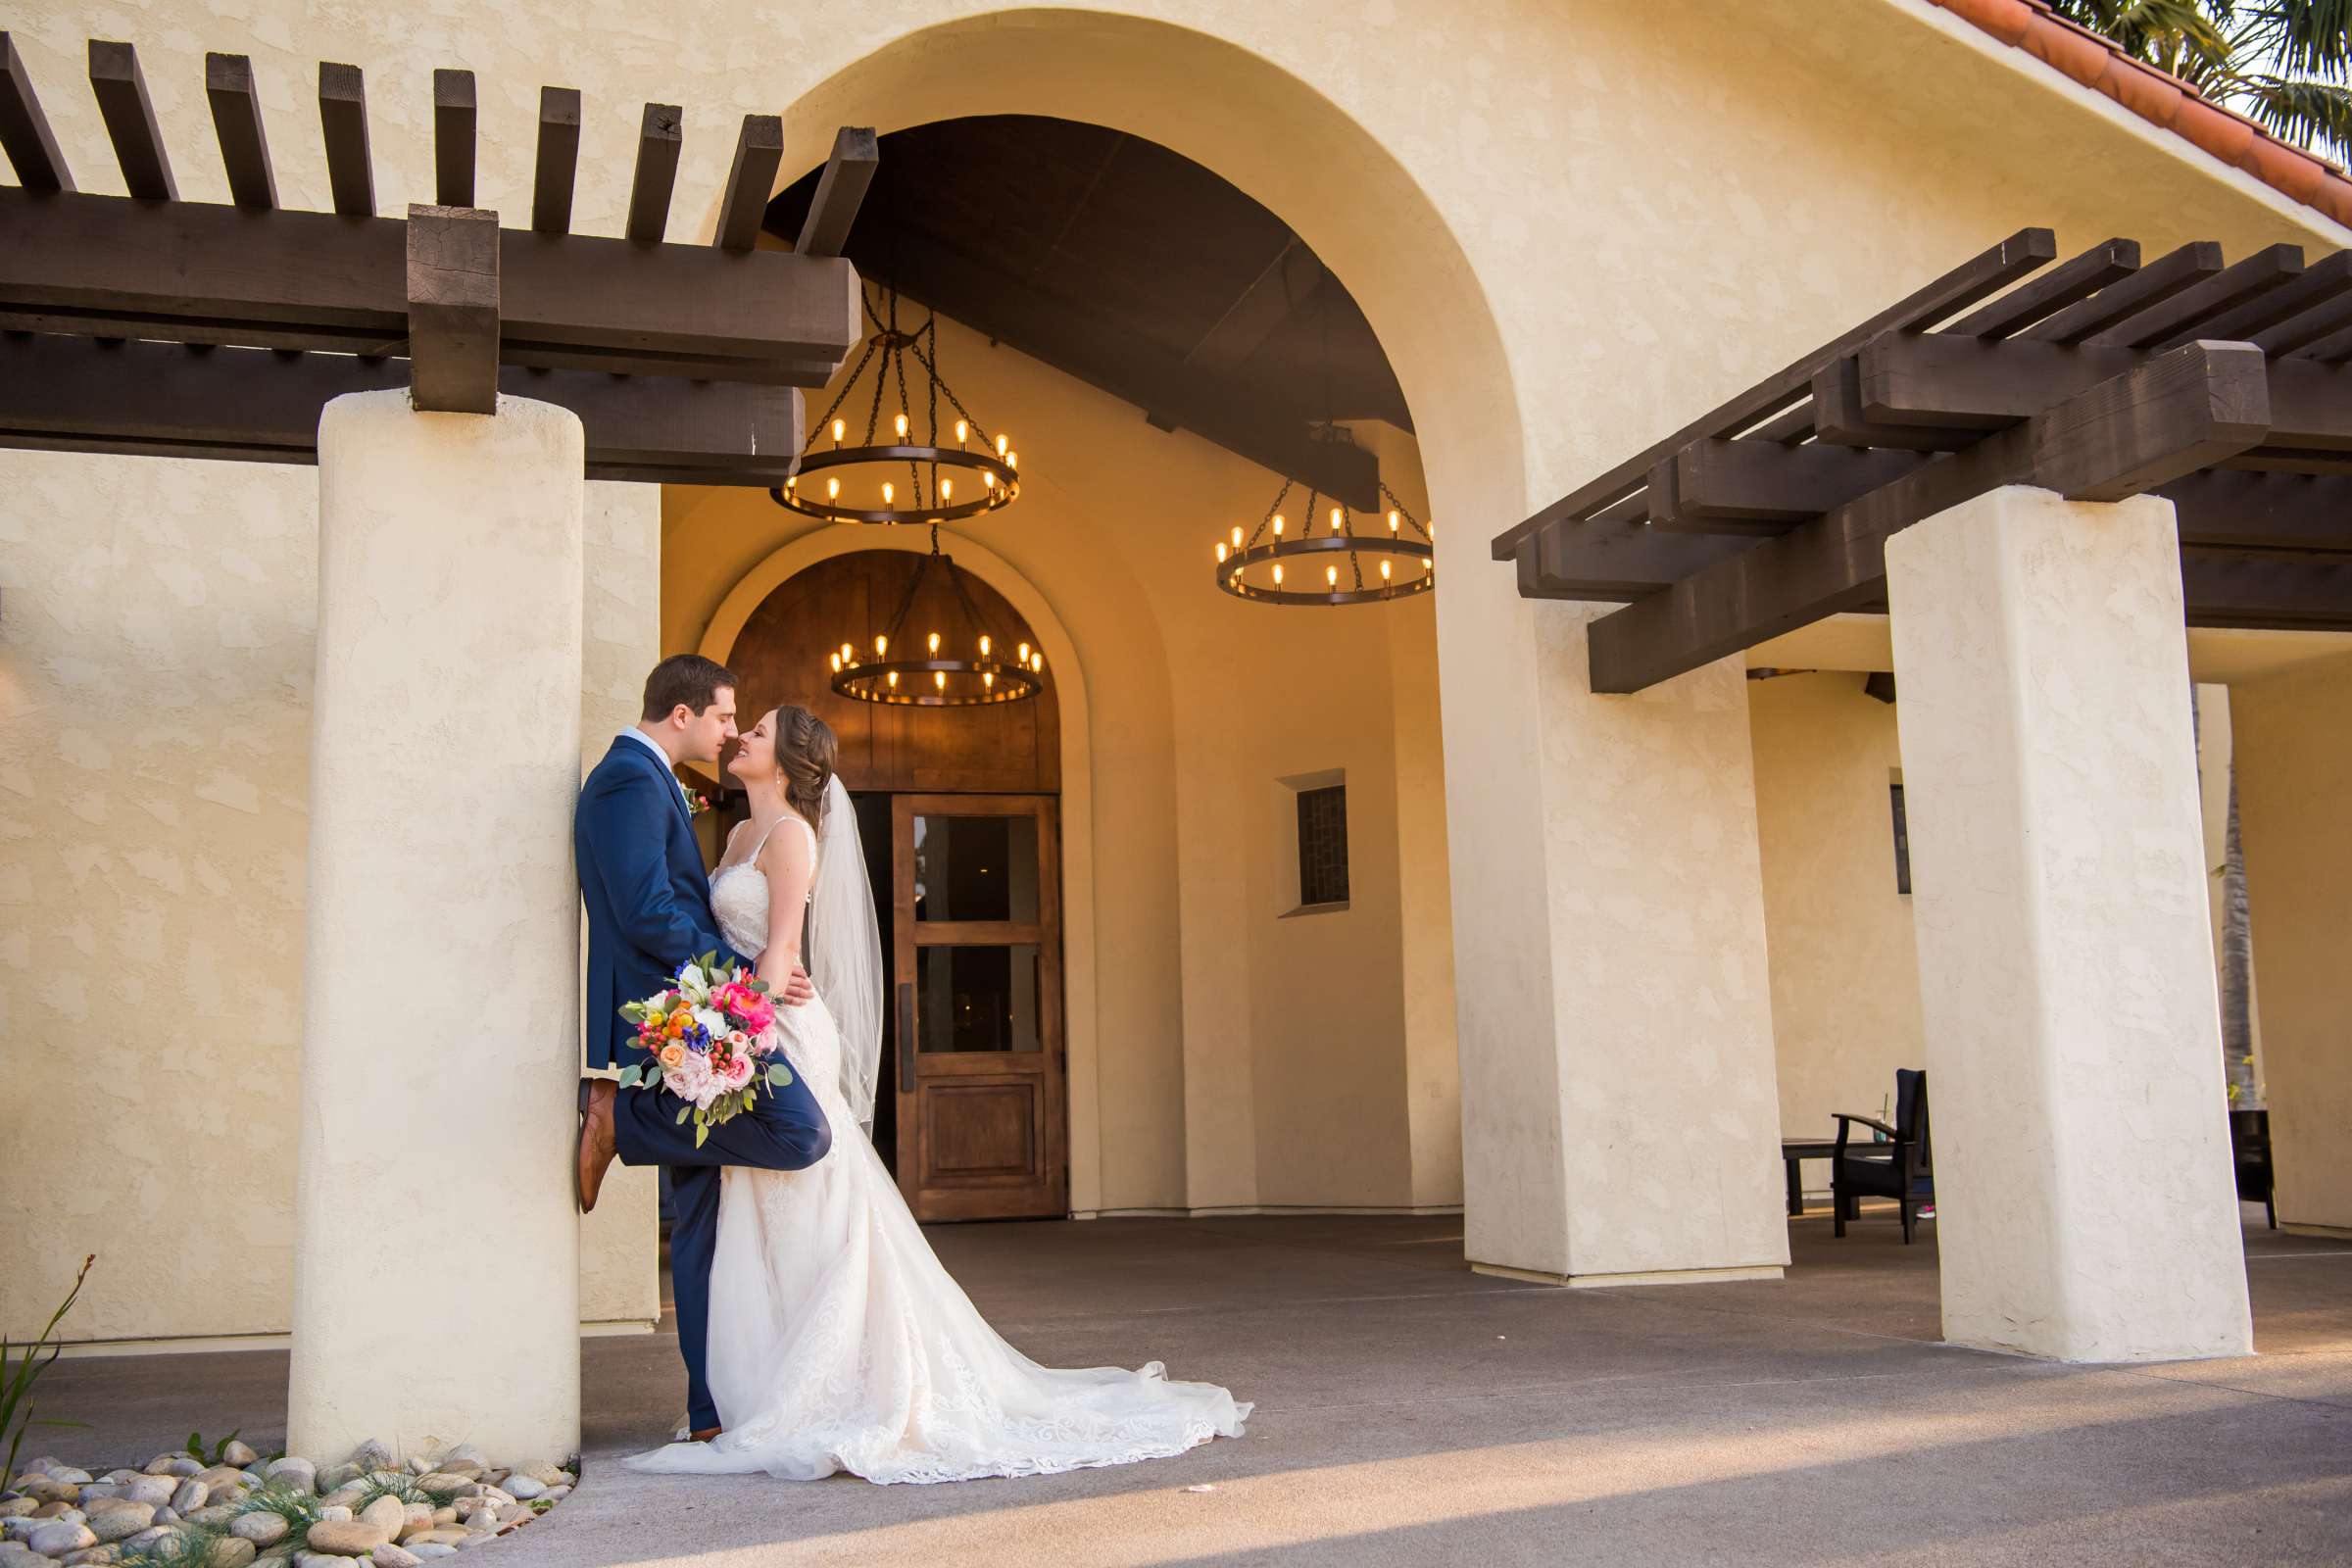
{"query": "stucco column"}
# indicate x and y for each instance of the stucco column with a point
(437, 1284)
(2084, 1199)
(2292, 732)
(1625, 1129)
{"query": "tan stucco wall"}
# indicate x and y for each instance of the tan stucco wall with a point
(1844, 973)
(1238, 1057)
(155, 646)
(1572, 225)
(2293, 734)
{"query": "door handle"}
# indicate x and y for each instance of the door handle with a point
(905, 1036)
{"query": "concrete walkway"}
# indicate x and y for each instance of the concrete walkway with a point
(1412, 1412)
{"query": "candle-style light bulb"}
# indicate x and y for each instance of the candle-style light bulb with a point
(939, 678)
(1338, 518)
(1391, 519)
(836, 664)
(900, 424)
(1280, 523)
(845, 652)
(1004, 444)
(840, 429)
(946, 489)
(889, 492)
(1331, 576)
(894, 680)
(1013, 459)
(963, 430)
(1220, 552)
(1024, 655)
(1383, 571)
(935, 645)
(881, 645)
(989, 478)
(1037, 663)
(1278, 574)
(832, 489)
(984, 645)
(791, 482)
(988, 679)
(1237, 536)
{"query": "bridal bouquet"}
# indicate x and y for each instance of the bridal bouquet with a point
(709, 1036)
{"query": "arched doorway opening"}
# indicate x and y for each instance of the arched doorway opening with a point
(958, 810)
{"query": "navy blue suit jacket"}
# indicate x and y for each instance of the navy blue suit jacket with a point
(647, 895)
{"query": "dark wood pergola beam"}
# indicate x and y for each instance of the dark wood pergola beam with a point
(237, 121)
(130, 116)
(2225, 590)
(751, 181)
(199, 273)
(163, 399)
(1914, 379)
(839, 192)
(454, 121)
(1974, 281)
(555, 170)
(660, 137)
(24, 133)
(2160, 420)
(343, 124)
(453, 309)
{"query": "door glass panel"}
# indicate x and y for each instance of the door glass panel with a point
(975, 868)
(977, 997)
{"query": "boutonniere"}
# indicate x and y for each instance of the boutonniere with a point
(697, 805)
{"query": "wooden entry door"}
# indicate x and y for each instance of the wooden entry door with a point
(976, 982)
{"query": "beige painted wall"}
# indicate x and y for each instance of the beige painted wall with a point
(1241, 1059)
(1844, 973)
(155, 722)
(2293, 733)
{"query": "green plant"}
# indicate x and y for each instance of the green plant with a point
(2282, 64)
(392, 1484)
(220, 1451)
(299, 1510)
(184, 1545)
(19, 1372)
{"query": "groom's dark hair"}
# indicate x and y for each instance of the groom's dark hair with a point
(687, 678)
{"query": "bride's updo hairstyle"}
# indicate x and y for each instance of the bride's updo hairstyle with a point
(805, 756)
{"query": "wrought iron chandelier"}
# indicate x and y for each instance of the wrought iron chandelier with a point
(841, 482)
(934, 677)
(1290, 561)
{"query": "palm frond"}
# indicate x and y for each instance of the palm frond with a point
(2307, 113)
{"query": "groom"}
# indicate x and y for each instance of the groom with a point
(649, 912)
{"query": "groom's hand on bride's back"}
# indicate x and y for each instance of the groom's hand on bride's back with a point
(797, 988)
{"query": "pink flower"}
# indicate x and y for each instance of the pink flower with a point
(692, 1079)
(737, 1073)
(758, 1014)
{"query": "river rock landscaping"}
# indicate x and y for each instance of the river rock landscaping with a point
(239, 1509)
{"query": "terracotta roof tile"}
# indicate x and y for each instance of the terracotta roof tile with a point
(2161, 99)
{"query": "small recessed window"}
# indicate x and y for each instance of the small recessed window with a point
(1323, 845)
(1902, 840)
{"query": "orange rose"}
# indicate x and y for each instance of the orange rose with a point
(673, 1054)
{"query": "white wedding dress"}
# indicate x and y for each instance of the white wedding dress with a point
(838, 1341)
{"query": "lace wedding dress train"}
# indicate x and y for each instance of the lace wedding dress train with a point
(838, 1341)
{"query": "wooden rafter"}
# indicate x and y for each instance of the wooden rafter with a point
(618, 328)
(453, 120)
(2226, 389)
(25, 132)
(555, 169)
(238, 123)
(839, 192)
(168, 400)
(130, 116)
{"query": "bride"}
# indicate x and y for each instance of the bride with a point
(836, 1342)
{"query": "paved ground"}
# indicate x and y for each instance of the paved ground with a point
(1412, 1412)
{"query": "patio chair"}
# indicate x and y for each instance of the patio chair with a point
(2250, 1153)
(1901, 1168)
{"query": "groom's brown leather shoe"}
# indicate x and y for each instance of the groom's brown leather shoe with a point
(598, 1145)
(706, 1434)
